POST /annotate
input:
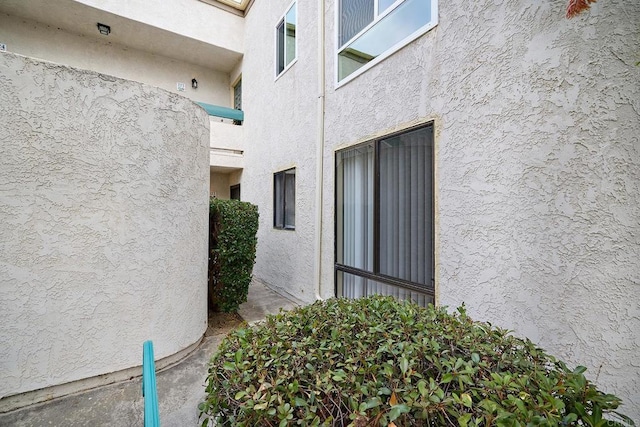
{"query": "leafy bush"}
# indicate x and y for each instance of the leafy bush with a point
(232, 252)
(378, 362)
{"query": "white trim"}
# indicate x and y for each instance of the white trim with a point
(389, 9)
(416, 34)
(285, 70)
(283, 19)
(376, 19)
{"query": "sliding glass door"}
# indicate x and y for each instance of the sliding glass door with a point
(384, 217)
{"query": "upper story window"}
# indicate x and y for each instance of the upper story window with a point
(237, 95)
(371, 30)
(286, 39)
(237, 99)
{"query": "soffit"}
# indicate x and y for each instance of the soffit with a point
(240, 5)
(82, 19)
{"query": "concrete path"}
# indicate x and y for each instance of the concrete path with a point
(180, 387)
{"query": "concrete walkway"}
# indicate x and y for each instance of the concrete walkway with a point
(180, 387)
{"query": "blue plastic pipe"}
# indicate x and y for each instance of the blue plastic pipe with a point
(149, 391)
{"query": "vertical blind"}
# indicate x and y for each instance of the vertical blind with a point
(356, 216)
(405, 207)
(354, 16)
(403, 220)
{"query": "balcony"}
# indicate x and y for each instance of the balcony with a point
(226, 141)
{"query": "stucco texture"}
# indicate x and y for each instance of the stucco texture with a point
(280, 132)
(537, 167)
(30, 38)
(103, 223)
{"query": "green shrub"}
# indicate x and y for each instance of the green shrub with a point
(232, 252)
(378, 362)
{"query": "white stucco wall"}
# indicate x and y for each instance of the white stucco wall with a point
(538, 169)
(280, 132)
(219, 185)
(103, 223)
(191, 18)
(99, 53)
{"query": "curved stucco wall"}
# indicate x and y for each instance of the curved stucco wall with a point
(103, 223)
(538, 169)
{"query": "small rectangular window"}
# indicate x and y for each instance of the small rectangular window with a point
(234, 192)
(237, 95)
(237, 99)
(286, 39)
(284, 199)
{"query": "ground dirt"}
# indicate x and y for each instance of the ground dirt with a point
(223, 323)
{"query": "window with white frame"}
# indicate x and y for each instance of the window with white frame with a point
(286, 39)
(371, 30)
(284, 199)
(384, 217)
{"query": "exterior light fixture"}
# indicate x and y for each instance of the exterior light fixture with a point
(104, 29)
(194, 83)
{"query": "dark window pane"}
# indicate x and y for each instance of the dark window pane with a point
(237, 96)
(234, 192)
(405, 206)
(290, 199)
(280, 47)
(284, 199)
(278, 208)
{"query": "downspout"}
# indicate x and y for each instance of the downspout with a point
(319, 155)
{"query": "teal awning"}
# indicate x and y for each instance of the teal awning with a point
(224, 112)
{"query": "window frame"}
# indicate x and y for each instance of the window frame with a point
(282, 20)
(375, 274)
(232, 189)
(236, 94)
(387, 53)
(283, 220)
(235, 99)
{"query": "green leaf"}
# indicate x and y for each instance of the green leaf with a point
(300, 402)
(404, 365)
(422, 388)
(475, 357)
(371, 403)
(464, 419)
(261, 406)
(579, 370)
(397, 410)
(466, 400)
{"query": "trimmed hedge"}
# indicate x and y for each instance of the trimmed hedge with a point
(378, 362)
(233, 226)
